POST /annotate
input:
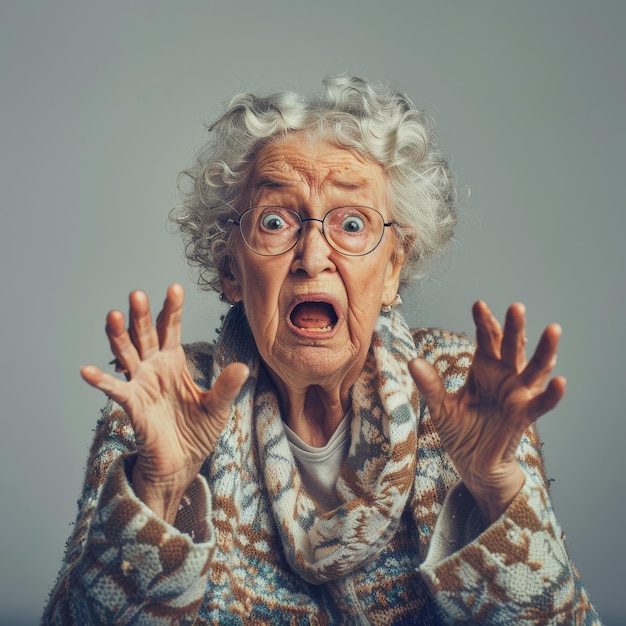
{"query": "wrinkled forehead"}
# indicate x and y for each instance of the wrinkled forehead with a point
(303, 162)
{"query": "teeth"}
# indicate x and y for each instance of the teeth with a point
(317, 330)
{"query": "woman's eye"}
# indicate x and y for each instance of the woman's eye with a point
(353, 224)
(271, 221)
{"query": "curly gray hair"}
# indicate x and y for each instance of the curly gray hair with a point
(378, 123)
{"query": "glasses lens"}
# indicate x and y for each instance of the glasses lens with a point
(354, 230)
(270, 230)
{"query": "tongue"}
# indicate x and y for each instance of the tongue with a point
(311, 315)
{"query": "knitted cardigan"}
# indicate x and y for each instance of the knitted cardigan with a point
(250, 546)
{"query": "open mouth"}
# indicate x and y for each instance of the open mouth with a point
(314, 317)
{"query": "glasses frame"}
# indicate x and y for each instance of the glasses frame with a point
(313, 219)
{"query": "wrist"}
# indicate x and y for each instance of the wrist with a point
(493, 497)
(163, 494)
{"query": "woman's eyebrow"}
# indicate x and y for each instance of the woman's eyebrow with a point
(348, 180)
(272, 183)
(348, 185)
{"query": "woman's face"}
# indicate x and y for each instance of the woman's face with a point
(312, 310)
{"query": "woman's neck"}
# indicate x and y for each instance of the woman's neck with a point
(313, 412)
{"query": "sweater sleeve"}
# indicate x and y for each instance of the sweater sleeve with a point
(516, 570)
(123, 564)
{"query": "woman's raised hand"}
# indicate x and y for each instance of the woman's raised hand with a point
(482, 424)
(176, 423)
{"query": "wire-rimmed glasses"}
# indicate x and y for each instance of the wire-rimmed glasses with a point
(274, 230)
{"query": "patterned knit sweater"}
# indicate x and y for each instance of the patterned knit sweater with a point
(250, 546)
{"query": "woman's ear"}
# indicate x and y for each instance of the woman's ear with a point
(392, 277)
(231, 287)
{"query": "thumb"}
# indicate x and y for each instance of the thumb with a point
(429, 384)
(227, 386)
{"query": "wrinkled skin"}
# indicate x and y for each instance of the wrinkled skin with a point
(314, 372)
(176, 423)
(481, 425)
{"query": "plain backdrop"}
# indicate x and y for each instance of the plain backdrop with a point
(103, 103)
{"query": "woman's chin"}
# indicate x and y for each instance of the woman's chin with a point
(312, 363)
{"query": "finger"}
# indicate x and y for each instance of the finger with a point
(121, 345)
(488, 331)
(547, 400)
(514, 338)
(226, 387)
(169, 320)
(429, 385)
(140, 327)
(112, 386)
(543, 361)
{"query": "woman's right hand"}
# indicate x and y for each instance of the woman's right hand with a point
(176, 423)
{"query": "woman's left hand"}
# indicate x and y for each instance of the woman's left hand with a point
(482, 424)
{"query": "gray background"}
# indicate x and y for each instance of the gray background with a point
(103, 103)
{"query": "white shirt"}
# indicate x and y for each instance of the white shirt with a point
(320, 467)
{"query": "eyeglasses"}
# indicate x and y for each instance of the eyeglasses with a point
(274, 230)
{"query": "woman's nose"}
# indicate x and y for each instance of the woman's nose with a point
(312, 253)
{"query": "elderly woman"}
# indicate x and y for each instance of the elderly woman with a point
(321, 463)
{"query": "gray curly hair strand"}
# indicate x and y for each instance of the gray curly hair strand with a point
(380, 124)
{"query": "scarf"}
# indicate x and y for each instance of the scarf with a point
(376, 478)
